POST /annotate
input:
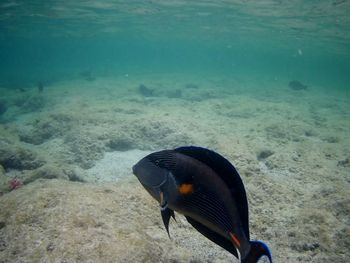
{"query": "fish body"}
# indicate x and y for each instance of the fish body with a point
(207, 189)
(297, 85)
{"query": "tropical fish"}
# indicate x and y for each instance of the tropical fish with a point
(297, 85)
(206, 188)
(145, 91)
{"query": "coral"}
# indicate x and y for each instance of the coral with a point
(15, 183)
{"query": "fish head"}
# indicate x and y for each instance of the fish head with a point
(154, 179)
(149, 173)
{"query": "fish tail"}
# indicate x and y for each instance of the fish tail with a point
(257, 250)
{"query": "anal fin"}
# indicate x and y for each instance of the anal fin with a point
(213, 236)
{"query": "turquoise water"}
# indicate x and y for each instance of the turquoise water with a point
(88, 88)
(306, 40)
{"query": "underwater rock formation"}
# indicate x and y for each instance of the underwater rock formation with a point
(85, 150)
(37, 134)
(46, 172)
(18, 158)
(344, 163)
(39, 131)
(155, 134)
(3, 181)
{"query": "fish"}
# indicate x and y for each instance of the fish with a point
(40, 86)
(206, 188)
(297, 85)
(145, 91)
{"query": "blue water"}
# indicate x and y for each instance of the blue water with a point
(305, 40)
(87, 88)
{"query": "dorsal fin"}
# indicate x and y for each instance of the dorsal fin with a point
(228, 174)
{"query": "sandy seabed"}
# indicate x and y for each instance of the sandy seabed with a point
(73, 146)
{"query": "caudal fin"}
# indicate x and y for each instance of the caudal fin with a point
(257, 250)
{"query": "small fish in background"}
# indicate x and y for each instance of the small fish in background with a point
(191, 86)
(297, 85)
(145, 91)
(3, 107)
(40, 86)
(87, 75)
(206, 188)
(175, 94)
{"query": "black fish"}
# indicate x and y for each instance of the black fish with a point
(297, 85)
(207, 189)
(40, 86)
(145, 91)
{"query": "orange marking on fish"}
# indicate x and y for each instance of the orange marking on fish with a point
(186, 189)
(235, 240)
